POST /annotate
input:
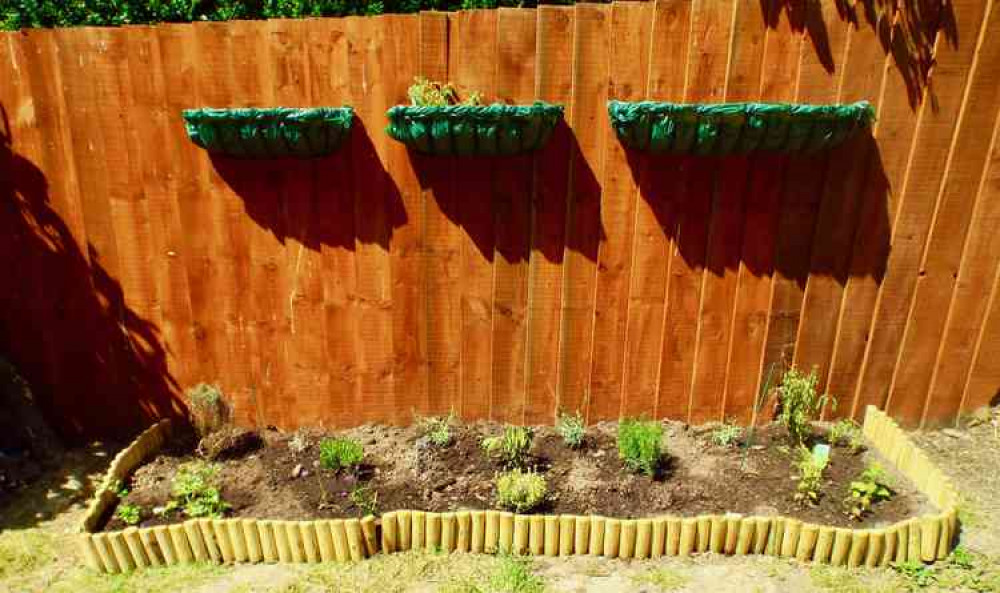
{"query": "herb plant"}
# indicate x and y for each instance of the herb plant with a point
(520, 491)
(727, 435)
(130, 514)
(338, 454)
(437, 429)
(639, 445)
(429, 93)
(846, 433)
(195, 491)
(572, 429)
(511, 448)
(811, 470)
(868, 489)
(800, 403)
(366, 499)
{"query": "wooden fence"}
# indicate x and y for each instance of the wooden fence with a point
(375, 283)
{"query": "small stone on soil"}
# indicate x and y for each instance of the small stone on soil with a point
(955, 434)
(297, 471)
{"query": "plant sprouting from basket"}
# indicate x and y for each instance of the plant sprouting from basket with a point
(846, 433)
(196, 492)
(726, 435)
(800, 403)
(429, 93)
(867, 490)
(208, 408)
(130, 514)
(639, 445)
(437, 429)
(340, 453)
(811, 468)
(520, 491)
(366, 499)
(511, 448)
(572, 429)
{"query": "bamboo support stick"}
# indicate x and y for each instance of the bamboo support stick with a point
(464, 521)
(324, 539)
(537, 535)
(369, 535)
(930, 531)
(567, 536)
(717, 534)
(596, 545)
(626, 544)
(913, 547)
(492, 537)
(612, 537)
(149, 545)
(643, 538)
(355, 542)
(390, 537)
(341, 548)
(581, 536)
(824, 544)
(165, 545)
(433, 532)
(673, 544)
(551, 535)
(478, 531)
(761, 534)
(120, 549)
(106, 554)
(268, 547)
(790, 540)
(841, 547)
(808, 534)
(775, 536)
(237, 540)
(294, 537)
(404, 532)
(135, 549)
(280, 532)
(418, 534)
(208, 536)
(944, 541)
(310, 543)
(704, 533)
(195, 539)
(889, 551)
(658, 544)
(506, 540)
(522, 533)
(221, 532)
(689, 536)
(744, 540)
(181, 543)
(86, 545)
(859, 548)
(733, 522)
(902, 541)
(876, 546)
(448, 532)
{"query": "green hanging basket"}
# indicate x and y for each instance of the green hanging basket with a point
(268, 133)
(474, 130)
(734, 128)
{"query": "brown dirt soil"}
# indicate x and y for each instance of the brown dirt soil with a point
(409, 473)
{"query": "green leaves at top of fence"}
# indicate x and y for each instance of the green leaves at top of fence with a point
(733, 128)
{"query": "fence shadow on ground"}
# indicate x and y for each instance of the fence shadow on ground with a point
(500, 201)
(98, 368)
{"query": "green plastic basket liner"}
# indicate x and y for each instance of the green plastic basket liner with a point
(488, 130)
(733, 128)
(272, 132)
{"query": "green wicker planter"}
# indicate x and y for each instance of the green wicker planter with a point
(272, 132)
(468, 130)
(734, 128)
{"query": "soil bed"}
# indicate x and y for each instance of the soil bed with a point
(409, 473)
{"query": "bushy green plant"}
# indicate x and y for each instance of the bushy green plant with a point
(130, 514)
(338, 454)
(437, 429)
(514, 575)
(366, 499)
(430, 93)
(800, 403)
(511, 448)
(727, 435)
(869, 488)
(520, 491)
(846, 433)
(572, 429)
(639, 445)
(811, 470)
(196, 492)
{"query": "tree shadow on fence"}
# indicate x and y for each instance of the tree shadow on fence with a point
(314, 201)
(907, 30)
(499, 202)
(99, 369)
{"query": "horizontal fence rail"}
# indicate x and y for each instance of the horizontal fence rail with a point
(376, 283)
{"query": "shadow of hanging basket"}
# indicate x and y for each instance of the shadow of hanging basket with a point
(474, 130)
(269, 133)
(736, 128)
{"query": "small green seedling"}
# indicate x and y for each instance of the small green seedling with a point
(511, 448)
(727, 435)
(366, 499)
(195, 491)
(130, 514)
(868, 489)
(800, 403)
(846, 433)
(811, 467)
(437, 429)
(429, 93)
(572, 429)
(339, 454)
(520, 491)
(639, 445)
